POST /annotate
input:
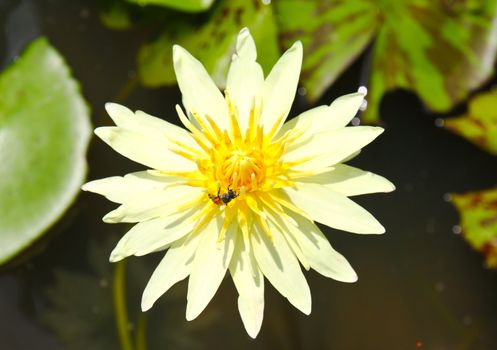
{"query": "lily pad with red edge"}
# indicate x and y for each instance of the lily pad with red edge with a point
(441, 50)
(44, 134)
(479, 124)
(478, 213)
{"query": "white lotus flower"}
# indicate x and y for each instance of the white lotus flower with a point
(240, 190)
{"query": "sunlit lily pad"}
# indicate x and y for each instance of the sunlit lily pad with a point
(478, 212)
(479, 124)
(213, 43)
(439, 49)
(44, 133)
(182, 5)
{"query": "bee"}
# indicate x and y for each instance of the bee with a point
(223, 198)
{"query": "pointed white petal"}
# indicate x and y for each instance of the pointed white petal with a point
(245, 45)
(352, 156)
(152, 235)
(249, 283)
(280, 266)
(149, 126)
(245, 77)
(327, 118)
(333, 209)
(328, 148)
(119, 189)
(149, 151)
(351, 181)
(318, 251)
(251, 310)
(283, 223)
(200, 94)
(211, 261)
(296, 249)
(174, 267)
(116, 188)
(280, 86)
(118, 113)
(155, 203)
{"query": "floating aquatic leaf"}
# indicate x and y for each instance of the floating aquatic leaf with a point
(44, 133)
(479, 124)
(213, 43)
(116, 16)
(440, 49)
(83, 320)
(333, 34)
(182, 5)
(478, 212)
(87, 320)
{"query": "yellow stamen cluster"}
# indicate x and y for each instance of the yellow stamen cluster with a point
(244, 162)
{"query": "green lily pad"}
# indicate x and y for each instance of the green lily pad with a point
(44, 134)
(439, 49)
(478, 212)
(479, 124)
(182, 5)
(213, 43)
(116, 16)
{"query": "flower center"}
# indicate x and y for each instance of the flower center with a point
(242, 169)
(238, 161)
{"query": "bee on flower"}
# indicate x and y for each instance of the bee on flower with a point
(238, 189)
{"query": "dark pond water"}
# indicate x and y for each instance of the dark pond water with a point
(420, 285)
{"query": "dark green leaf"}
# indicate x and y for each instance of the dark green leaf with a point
(116, 16)
(213, 44)
(81, 311)
(440, 49)
(44, 133)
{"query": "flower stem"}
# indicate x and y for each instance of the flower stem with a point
(126, 90)
(141, 334)
(123, 93)
(122, 322)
